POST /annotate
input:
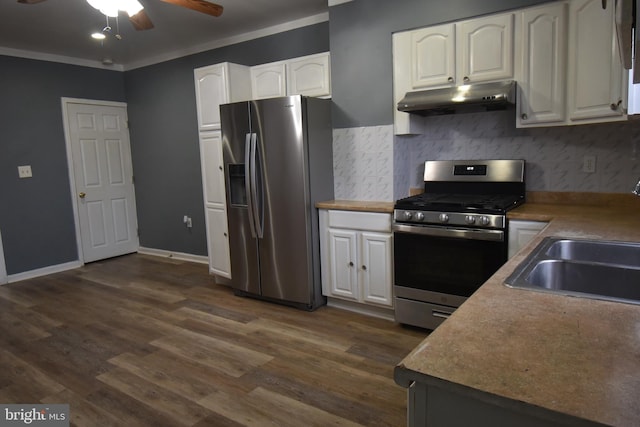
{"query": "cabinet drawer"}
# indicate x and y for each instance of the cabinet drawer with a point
(360, 220)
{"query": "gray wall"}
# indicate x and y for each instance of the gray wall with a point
(36, 215)
(166, 159)
(361, 58)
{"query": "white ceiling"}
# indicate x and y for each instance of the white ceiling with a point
(60, 29)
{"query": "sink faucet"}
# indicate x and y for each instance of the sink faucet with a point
(636, 190)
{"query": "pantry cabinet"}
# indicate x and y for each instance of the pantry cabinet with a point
(541, 81)
(213, 186)
(219, 84)
(356, 256)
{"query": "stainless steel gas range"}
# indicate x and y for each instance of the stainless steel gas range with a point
(450, 239)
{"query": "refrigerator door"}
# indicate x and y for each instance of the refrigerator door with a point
(283, 194)
(243, 245)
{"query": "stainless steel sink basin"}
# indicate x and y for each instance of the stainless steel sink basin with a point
(596, 269)
(619, 253)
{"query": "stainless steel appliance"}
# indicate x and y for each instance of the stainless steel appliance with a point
(453, 237)
(278, 163)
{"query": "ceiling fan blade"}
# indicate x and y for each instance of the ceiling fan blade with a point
(30, 1)
(199, 6)
(141, 21)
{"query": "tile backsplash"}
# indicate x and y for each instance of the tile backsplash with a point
(371, 163)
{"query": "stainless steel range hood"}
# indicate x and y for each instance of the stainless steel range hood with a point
(460, 99)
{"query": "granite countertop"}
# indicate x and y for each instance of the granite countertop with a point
(357, 205)
(575, 356)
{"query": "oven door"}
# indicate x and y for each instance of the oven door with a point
(443, 265)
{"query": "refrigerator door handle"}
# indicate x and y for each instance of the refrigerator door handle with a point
(257, 208)
(248, 183)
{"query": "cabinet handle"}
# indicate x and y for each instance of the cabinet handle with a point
(524, 116)
(450, 79)
(614, 106)
(466, 79)
(364, 267)
(350, 264)
(220, 167)
(604, 4)
(225, 234)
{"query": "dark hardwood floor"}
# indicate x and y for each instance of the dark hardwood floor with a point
(148, 341)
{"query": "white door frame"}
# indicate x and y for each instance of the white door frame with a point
(3, 268)
(67, 137)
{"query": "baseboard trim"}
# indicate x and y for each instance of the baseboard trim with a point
(12, 278)
(175, 255)
(369, 310)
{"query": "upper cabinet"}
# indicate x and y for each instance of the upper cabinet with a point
(541, 81)
(571, 70)
(597, 83)
(477, 50)
(307, 75)
(219, 84)
(269, 80)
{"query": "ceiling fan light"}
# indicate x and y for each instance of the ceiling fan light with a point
(111, 7)
(132, 7)
(98, 36)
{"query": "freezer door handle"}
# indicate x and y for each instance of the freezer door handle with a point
(256, 207)
(248, 183)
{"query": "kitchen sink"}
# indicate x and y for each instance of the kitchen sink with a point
(598, 269)
(619, 253)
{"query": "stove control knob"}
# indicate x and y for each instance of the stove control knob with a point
(419, 216)
(443, 217)
(484, 220)
(470, 219)
(407, 215)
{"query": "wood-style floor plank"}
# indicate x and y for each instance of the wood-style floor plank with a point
(148, 341)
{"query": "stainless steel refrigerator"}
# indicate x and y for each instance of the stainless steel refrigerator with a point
(278, 163)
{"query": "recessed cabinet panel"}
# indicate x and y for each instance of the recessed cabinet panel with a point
(212, 169)
(342, 251)
(218, 242)
(485, 48)
(269, 81)
(544, 52)
(211, 84)
(376, 271)
(433, 56)
(309, 75)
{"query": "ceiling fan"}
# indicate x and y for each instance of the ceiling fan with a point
(141, 21)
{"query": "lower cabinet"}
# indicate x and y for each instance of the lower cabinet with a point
(521, 233)
(357, 256)
(218, 242)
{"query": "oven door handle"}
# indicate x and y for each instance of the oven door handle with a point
(456, 233)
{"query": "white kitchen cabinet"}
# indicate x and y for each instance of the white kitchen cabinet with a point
(269, 80)
(476, 50)
(309, 75)
(597, 81)
(541, 81)
(521, 233)
(213, 186)
(357, 256)
(219, 84)
(404, 123)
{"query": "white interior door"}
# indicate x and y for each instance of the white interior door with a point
(98, 139)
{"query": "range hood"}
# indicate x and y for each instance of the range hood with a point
(460, 99)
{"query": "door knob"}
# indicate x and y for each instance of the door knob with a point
(82, 195)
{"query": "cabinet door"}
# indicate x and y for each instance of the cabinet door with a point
(218, 242)
(542, 84)
(376, 268)
(521, 233)
(433, 56)
(596, 80)
(211, 91)
(213, 183)
(268, 81)
(309, 75)
(343, 260)
(484, 48)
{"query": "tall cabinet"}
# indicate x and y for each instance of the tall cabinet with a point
(215, 85)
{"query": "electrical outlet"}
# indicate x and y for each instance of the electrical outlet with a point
(24, 171)
(589, 164)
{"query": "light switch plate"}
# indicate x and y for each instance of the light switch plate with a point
(24, 171)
